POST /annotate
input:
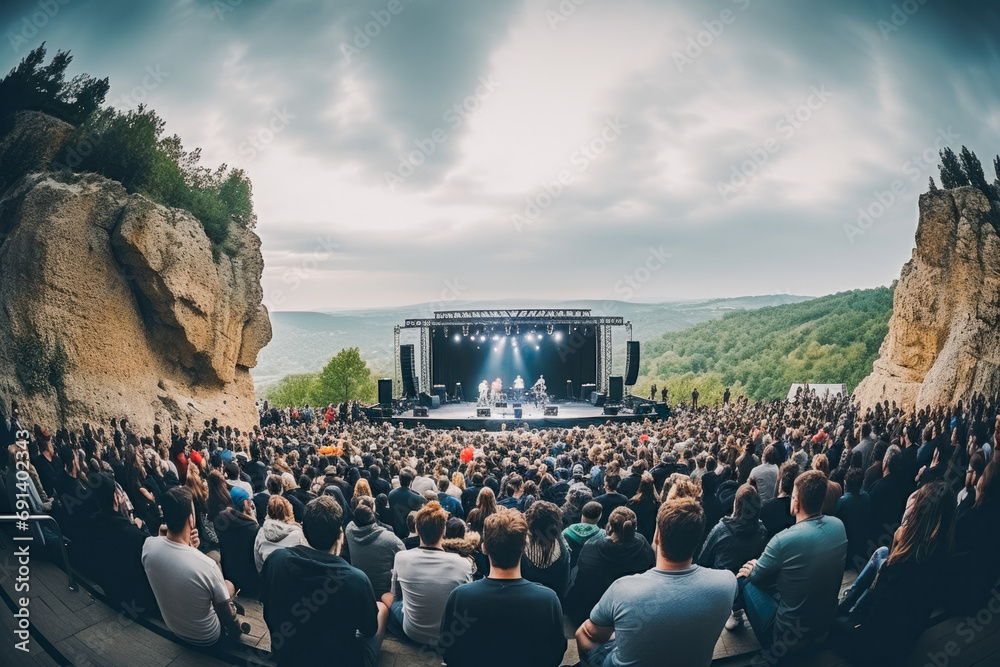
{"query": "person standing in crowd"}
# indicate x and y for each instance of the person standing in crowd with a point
(350, 623)
(677, 604)
(504, 605)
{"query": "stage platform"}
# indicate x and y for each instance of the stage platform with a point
(463, 416)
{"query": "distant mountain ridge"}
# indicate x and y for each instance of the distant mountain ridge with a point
(304, 340)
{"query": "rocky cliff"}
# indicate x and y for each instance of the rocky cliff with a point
(943, 343)
(114, 306)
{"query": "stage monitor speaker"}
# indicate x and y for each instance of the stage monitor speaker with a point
(500, 404)
(644, 409)
(420, 412)
(516, 405)
(586, 391)
(518, 412)
(615, 390)
(631, 363)
(385, 392)
(598, 399)
(551, 410)
(439, 391)
(610, 409)
(482, 412)
(430, 400)
(569, 390)
(406, 366)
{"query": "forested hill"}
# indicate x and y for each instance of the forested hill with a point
(761, 352)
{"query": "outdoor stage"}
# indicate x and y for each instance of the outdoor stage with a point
(571, 414)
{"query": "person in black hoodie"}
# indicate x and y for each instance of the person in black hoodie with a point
(603, 560)
(776, 513)
(346, 622)
(109, 550)
(854, 509)
(610, 499)
(645, 506)
(237, 531)
(737, 538)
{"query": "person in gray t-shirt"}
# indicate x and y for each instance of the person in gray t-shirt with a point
(676, 607)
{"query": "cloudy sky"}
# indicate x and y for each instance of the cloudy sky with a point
(413, 151)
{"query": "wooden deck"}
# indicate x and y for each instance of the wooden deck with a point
(77, 628)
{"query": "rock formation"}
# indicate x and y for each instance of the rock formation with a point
(943, 343)
(114, 306)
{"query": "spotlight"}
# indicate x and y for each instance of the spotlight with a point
(537, 347)
(482, 339)
(496, 337)
(457, 338)
(518, 329)
(494, 348)
(559, 335)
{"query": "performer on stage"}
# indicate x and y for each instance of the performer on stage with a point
(484, 393)
(538, 390)
(518, 388)
(497, 390)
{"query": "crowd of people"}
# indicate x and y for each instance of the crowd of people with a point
(649, 538)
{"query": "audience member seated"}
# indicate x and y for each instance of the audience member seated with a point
(605, 559)
(546, 555)
(790, 593)
(372, 546)
(854, 509)
(504, 619)
(195, 601)
(278, 532)
(610, 499)
(402, 501)
(578, 534)
(422, 580)
(890, 602)
(237, 530)
(776, 513)
(317, 604)
(673, 613)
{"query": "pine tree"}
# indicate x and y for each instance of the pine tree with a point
(973, 169)
(996, 167)
(952, 175)
(931, 185)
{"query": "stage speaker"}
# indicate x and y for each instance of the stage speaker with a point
(517, 405)
(420, 412)
(500, 404)
(610, 409)
(569, 390)
(430, 400)
(551, 410)
(615, 390)
(407, 371)
(631, 363)
(518, 412)
(439, 391)
(598, 399)
(385, 392)
(586, 391)
(482, 412)
(644, 409)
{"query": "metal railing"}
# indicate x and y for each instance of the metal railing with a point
(10, 518)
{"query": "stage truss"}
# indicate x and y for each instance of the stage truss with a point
(503, 318)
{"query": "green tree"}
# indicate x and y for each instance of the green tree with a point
(973, 169)
(346, 377)
(931, 185)
(35, 86)
(296, 389)
(952, 175)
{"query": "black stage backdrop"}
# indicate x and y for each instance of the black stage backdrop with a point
(569, 353)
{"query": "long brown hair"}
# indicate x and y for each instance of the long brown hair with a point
(928, 525)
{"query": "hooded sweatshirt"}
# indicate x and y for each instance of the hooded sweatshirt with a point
(274, 535)
(372, 550)
(579, 534)
(602, 561)
(733, 542)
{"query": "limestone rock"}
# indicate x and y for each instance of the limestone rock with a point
(943, 343)
(153, 327)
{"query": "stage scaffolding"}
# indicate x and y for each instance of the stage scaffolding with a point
(463, 319)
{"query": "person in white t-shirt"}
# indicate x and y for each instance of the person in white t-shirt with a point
(196, 602)
(422, 580)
